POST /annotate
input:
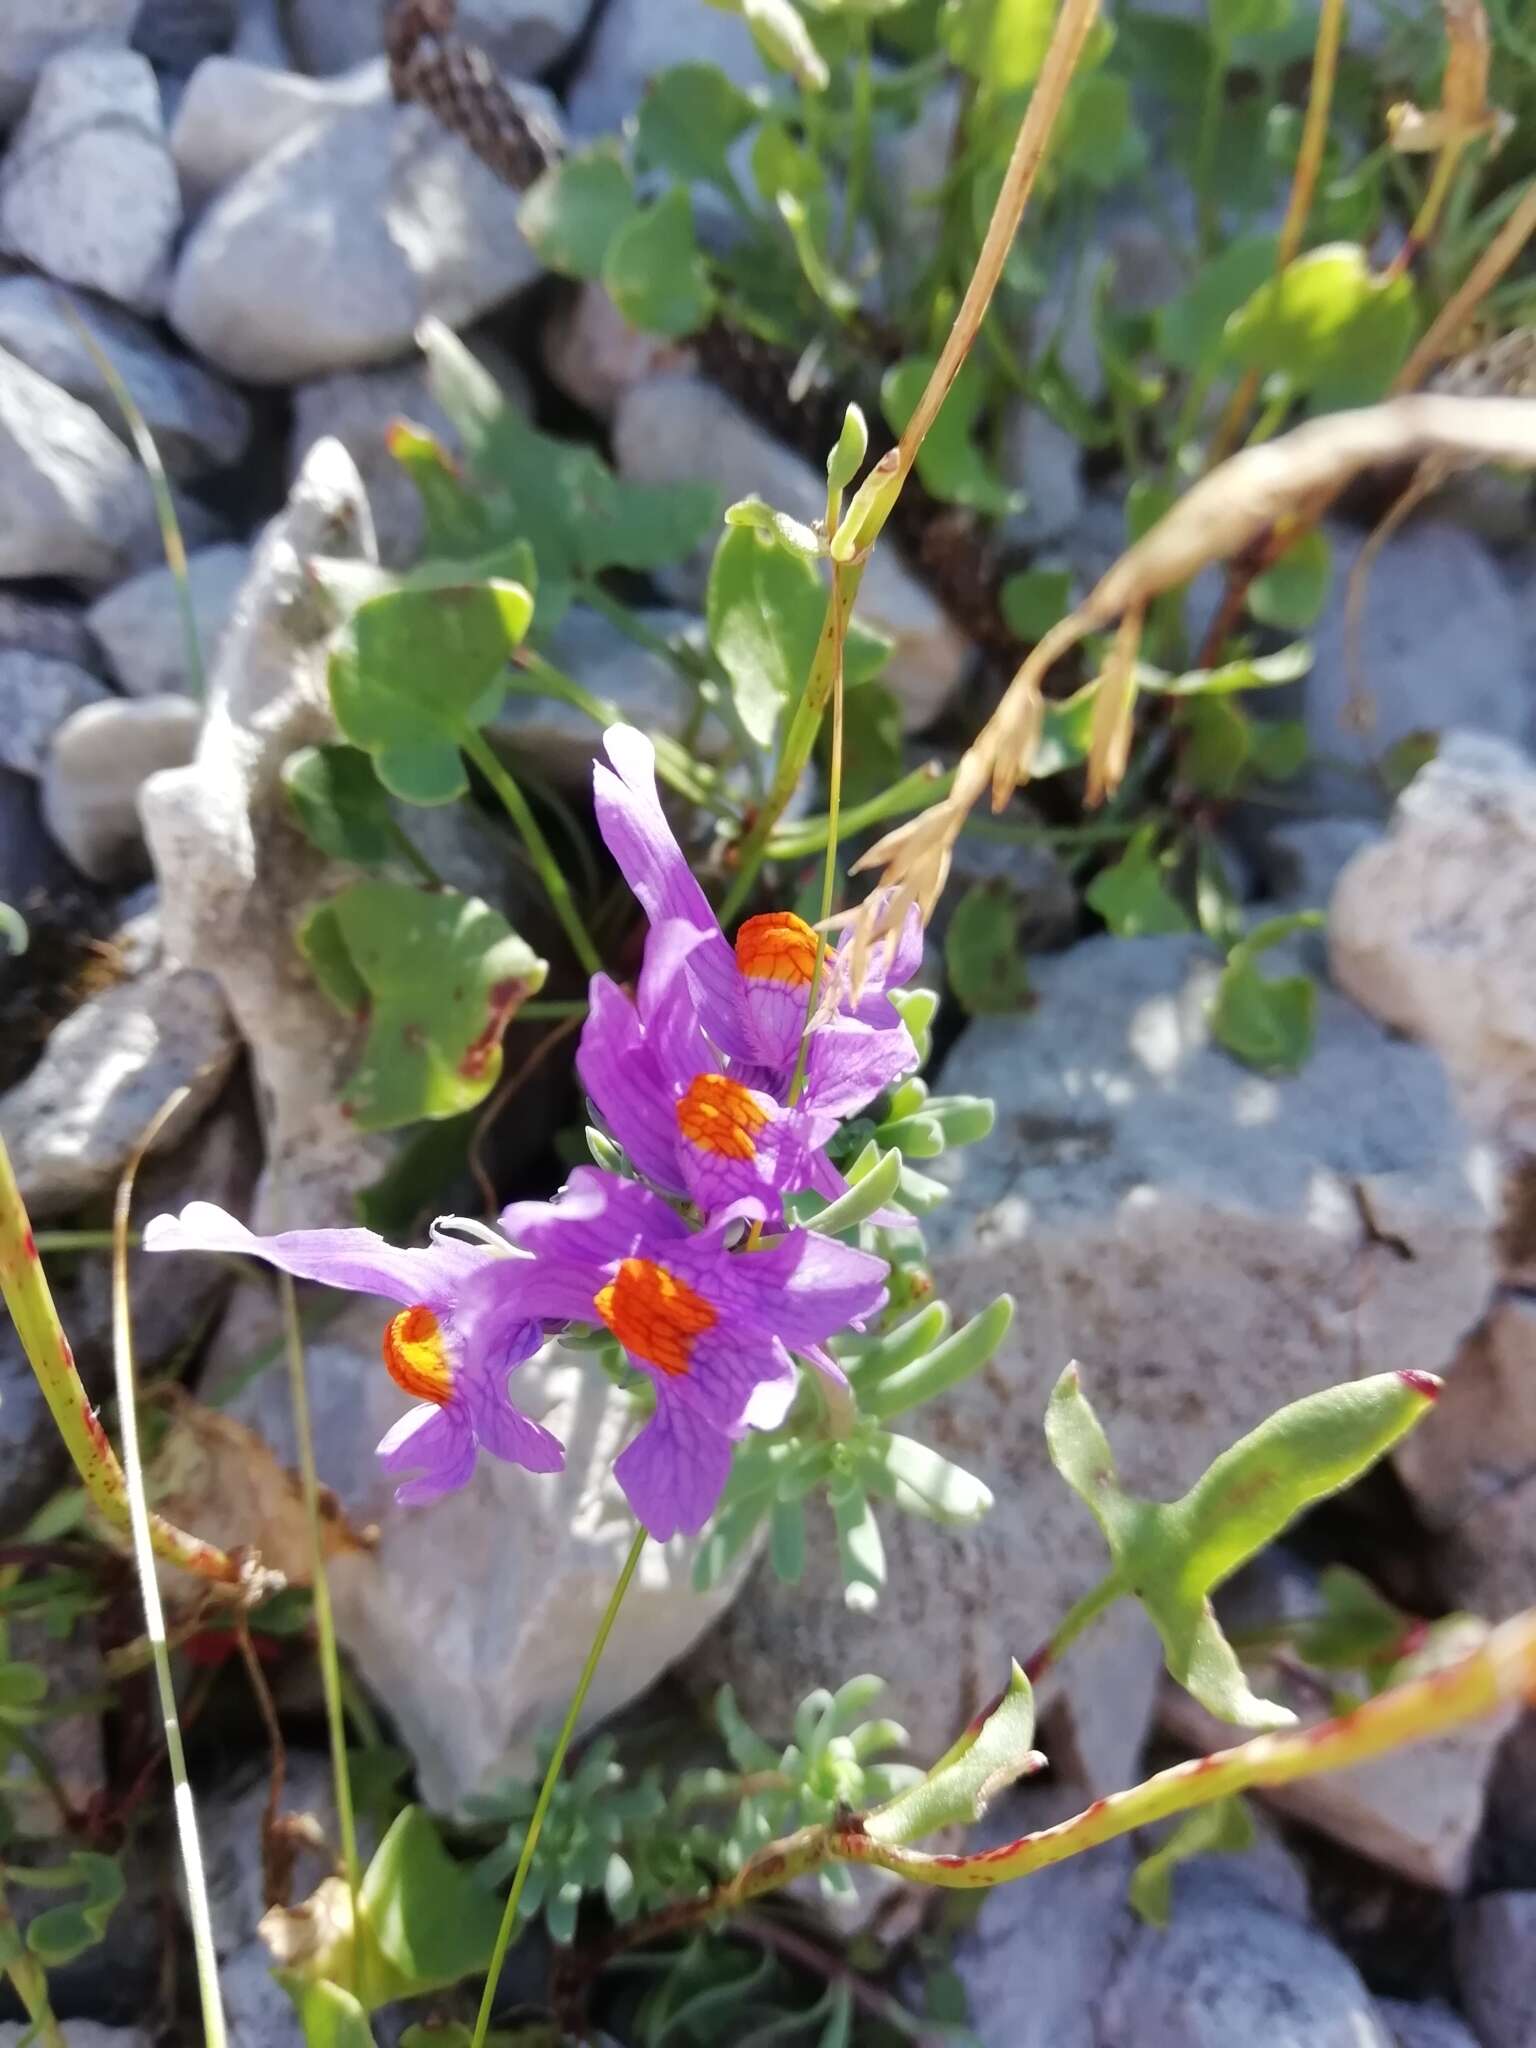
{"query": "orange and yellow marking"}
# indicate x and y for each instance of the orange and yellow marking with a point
(416, 1356)
(778, 946)
(654, 1315)
(721, 1116)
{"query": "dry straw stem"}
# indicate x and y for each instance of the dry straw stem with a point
(1287, 481)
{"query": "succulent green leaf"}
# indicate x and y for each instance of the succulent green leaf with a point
(983, 960)
(786, 1541)
(573, 211)
(341, 804)
(871, 1359)
(1132, 897)
(1334, 327)
(1268, 1022)
(950, 462)
(867, 1192)
(441, 976)
(989, 1756)
(1224, 1826)
(457, 526)
(654, 272)
(890, 1392)
(329, 2017)
(689, 117)
(859, 1547)
(1080, 1451)
(428, 1921)
(922, 1482)
(756, 512)
(847, 456)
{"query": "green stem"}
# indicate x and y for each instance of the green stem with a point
(923, 786)
(320, 1591)
(1074, 1622)
(79, 1240)
(539, 852)
(556, 1009)
(414, 855)
(28, 1978)
(1205, 146)
(859, 147)
(547, 1789)
(674, 764)
(633, 627)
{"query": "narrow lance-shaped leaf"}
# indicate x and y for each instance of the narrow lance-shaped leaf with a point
(943, 1367)
(1223, 1828)
(994, 1751)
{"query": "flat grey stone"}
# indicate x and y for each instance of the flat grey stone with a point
(1424, 2026)
(138, 624)
(37, 694)
(33, 32)
(1495, 1945)
(77, 505)
(635, 39)
(100, 758)
(520, 36)
(234, 111)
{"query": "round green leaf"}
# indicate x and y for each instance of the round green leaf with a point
(654, 271)
(1330, 325)
(982, 958)
(689, 117)
(573, 211)
(341, 804)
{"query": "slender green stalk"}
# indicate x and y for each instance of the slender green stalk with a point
(554, 1010)
(79, 1240)
(320, 1588)
(674, 764)
(547, 1789)
(829, 866)
(28, 1979)
(861, 146)
(413, 854)
(634, 628)
(539, 850)
(1205, 143)
(149, 1590)
(159, 484)
(923, 786)
(1078, 1618)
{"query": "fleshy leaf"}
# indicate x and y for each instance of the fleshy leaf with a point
(1268, 1021)
(573, 211)
(943, 1366)
(990, 1755)
(341, 804)
(329, 2017)
(688, 119)
(654, 272)
(428, 1921)
(1224, 1826)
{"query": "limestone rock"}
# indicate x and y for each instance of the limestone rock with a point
(37, 694)
(99, 761)
(236, 874)
(1189, 1231)
(333, 246)
(197, 422)
(56, 630)
(33, 32)
(234, 111)
(635, 39)
(1302, 862)
(520, 36)
(1434, 929)
(590, 350)
(1045, 462)
(178, 34)
(1495, 1941)
(88, 190)
(138, 625)
(675, 428)
(1424, 2026)
(76, 502)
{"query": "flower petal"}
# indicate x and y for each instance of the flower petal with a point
(357, 1260)
(847, 1063)
(674, 1472)
(736, 1380)
(437, 1440)
(890, 966)
(804, 1289)
(595, 1219)
(504, 1430)
(620, 1071)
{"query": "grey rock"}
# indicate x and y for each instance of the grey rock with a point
(358, 407)
(635, 39)
(105, 1071)
(1230, 1971)
(88, 191)
(37, 694)
(138, 624)
(236, 874)
(33, 32)
(99, 761)
(259, 37)
(32, 869)
(234, 111)
(1301, 862)
(77, 504)
(197, 422)
(1454, 1465)
(1440, 647)
(675, 428)
(1434, 929)
(1495, 1942)
(1423, 2026)
(56, 630)
(590, 350)
(332, 248)
(82, 2034)
(912, 164)
(1189, 1231)
(1042, 460)
(519, 36)
(178, 34)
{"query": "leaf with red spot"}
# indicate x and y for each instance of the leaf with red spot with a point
(438, 977)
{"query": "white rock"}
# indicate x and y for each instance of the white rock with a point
(1495, 1942)
(523, 37)
(1224, 1972)
(1440, 647)
(358, 407)
(332, 248)
(1189, 1231)
(139, 628)
(1042, 460)
(590, 350)
(76, 502)
(676, 428)
(1434, 929)
(635, 39)
(236, 874)
(197, 422)
(234, 111)
(1424, 2026)
(99, 761)
(88, 191)
(37, 694)
(33, 32)
(105, 1071)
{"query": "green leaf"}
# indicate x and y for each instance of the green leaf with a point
(1269, 1023)
(574, 210)
(457, 525)
(1189, 328)
(13, 930)
(1099, 140)
(923, 1482)
(783, 38)
(21, 1686)
(786, 1541)
(1223, 1826)
(1002, 43)
(412, 670)
(1065, 732)
(1032, 600)
(949, 462)
(1233, 18)
(416, 1182)
(689, 117)
(1132, 897)
(59, 1935)
(989, 1756)
(341, 804)
(1292, 593)
(982, 956)
(867, 1192)
(428, 1921)
(1216, 745)
(329, 2017)
(1251, 672)
(943, 1366)
(1356, 1627)
(654, 272)
(441, 976)
(1330, 325)
(859, 1548)
(1279, 747)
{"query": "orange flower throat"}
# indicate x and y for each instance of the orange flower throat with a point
(416, 1356)
(778, 946)
(721, 1116)
(654, 1315)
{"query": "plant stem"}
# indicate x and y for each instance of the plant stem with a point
(539, 852)
(27, 1296)
(923, 786)
(28, 1978)
(540, 1011)
(1205, 144)
(320, 1589)
(829, 866)
(149, 1589)
(674, 764)
(413, 854)
(1073, 1623)
(546, 1790)
(859, 147)
(1448, 323)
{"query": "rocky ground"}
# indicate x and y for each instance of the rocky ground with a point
(228, 197)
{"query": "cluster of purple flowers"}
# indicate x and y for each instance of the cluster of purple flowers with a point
(701, 1080)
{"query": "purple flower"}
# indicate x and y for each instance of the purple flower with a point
(754, 999)
(711, 1328)
(452, 1344)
